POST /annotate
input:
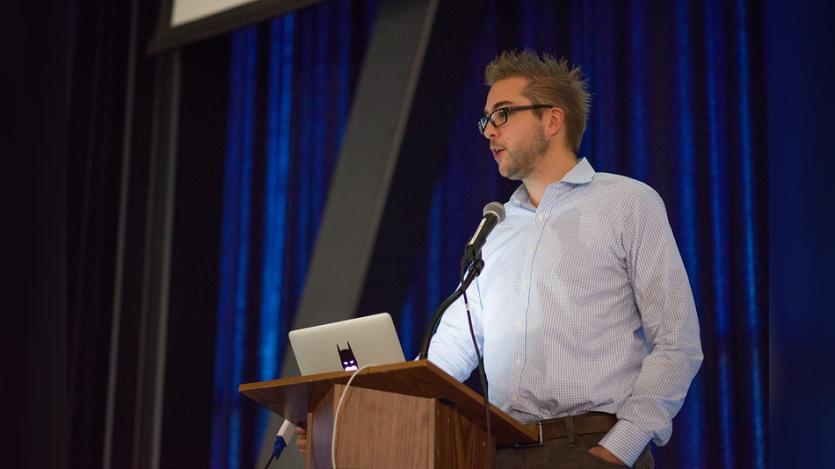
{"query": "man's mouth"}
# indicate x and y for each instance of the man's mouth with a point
(497, 152)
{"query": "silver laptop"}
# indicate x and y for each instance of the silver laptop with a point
(347, 345)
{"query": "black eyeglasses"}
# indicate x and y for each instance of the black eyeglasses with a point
(499, 116)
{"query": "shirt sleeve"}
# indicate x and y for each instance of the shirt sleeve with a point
(671, 330)
(451, 349)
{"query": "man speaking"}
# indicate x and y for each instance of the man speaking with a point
(583, 311)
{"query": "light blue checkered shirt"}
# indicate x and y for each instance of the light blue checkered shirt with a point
(583, 305)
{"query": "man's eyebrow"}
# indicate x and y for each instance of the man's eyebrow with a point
(497, 105)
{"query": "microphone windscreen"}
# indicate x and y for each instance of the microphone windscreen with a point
(496, 209)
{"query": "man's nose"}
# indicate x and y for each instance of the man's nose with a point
(490, 131)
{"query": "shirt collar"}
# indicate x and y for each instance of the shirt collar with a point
(581, 173)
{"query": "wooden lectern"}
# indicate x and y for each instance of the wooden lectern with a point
(402, 415)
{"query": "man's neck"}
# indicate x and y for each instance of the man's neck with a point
(553, 169)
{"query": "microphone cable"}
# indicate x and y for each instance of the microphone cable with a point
(481, 373)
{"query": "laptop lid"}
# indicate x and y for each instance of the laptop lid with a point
(347, 345)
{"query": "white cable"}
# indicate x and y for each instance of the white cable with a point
(336, 415)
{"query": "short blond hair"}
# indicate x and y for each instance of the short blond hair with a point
(550, 81)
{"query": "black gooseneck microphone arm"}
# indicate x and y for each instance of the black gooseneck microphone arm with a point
(473, 272)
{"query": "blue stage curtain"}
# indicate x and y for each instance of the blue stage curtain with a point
(676, 102)
(290, 84)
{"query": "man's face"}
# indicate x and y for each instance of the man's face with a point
(518, 145)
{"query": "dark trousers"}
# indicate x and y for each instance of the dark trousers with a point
(563, 453)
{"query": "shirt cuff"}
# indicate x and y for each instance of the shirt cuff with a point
(625, 441)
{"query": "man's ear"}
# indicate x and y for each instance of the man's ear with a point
(554, 121)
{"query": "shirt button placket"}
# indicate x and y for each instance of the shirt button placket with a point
(527, 268)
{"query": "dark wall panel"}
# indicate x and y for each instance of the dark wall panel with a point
(186, 433)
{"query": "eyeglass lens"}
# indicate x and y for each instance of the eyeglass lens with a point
(497, 117)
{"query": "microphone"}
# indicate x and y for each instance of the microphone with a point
(493, 214)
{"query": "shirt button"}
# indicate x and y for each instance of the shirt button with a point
(540, 217)
(519, 323)
(518, 361)
(530, 248)
(525, 284)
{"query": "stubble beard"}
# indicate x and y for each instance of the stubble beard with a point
(521, 161)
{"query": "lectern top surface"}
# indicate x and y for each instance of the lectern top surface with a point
(294, 397)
